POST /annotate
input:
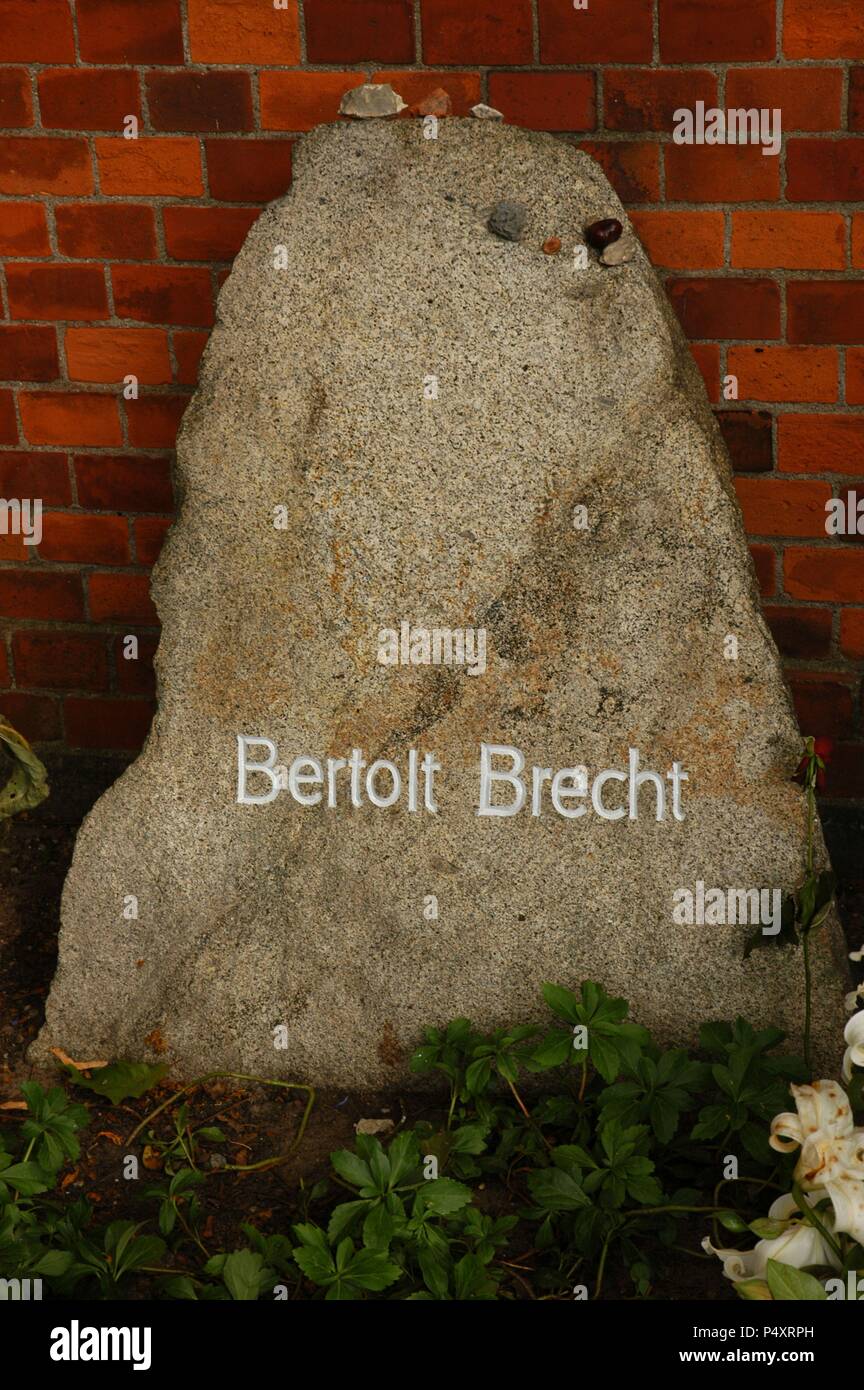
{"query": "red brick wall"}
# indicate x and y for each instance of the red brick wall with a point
(113, 251)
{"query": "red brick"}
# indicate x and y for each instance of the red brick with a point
(118, 598)
(856, 99)
(747, 436)
(76, 99)
(720, 174)
(246, 31)
(721, 308)
(487, 31)
(852, 633)
(823, 703)
(135, 676)
(824, 170)
(58, 417)
(16, 103)
(681, 240)
(844, 775)
(34, 474)
(125, 31)
(829, 29)
(248, 171)
(110, 354)
(647, 100)
(14, 548)
(825, 311)
(764, 562)
(301, 100)
(632, 167)
(463, 88)
(38, 291)
(785, 373)
(153, 421)
(200, 100)
(854, 376)
(780, 507)
(733, 31)
(60, 660)
(809, 98)
(37, 717)
(858, 240)
(188, 347)
(28, 353)
(853, 507)
(44, 164)
(359, 31)
(545, 100)
(162, 294)
(788, 240)
(101, 723)
(123, 483)
(824, 574)
(605, 32)
(37, 31)
(23, 230)
(5, 675)
(170, 167)
(8, 423)
(41, 595)
(106, 229)
(707, 359)
(150, 533)
(73, 538)
(206, 234)
(801, 633)
(821, 444)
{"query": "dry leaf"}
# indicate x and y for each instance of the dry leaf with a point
(109, 1134)
(79, 1066)
(69, 1178)
(151, 1158)
(14, 1105)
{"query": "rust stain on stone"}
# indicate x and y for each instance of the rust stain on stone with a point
(388, 1049)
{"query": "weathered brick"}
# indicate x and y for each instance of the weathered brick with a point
(785, 373)
(60, 660)
(118, 598)
(248, 171)
(37, 31)
(824, 170)
(16, 103)
(106, 229)
(545, 100)
(821, 444)
(825, 311)
(733, 31)
(246, 31)
(44, 164)
(801, 633)
(206, 234)
(162, 294)
(78, 99)
(125, 31)
(28, 353)
(829, 29)
(647, 99)
(123, 482)
(106, 723)
(605, 32)
(166, 166)
(23, 230)
(40, 291)
(726, 308)
(67, 417)
(747, 435)
(111, 354)
(782, 507)
(788, 240)
(681, 240)
(200, 100)
(41, 595)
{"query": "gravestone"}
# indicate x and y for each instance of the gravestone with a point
(452, 503)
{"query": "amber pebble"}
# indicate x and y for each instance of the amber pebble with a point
(552, 245)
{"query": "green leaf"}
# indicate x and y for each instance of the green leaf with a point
(27, 1178)
(120, 1080)
(790, 1285)
(562, 1003)
(555, 1190)
(242, 1275)
(352, 1168)
(445, 1195)
(345, 1217)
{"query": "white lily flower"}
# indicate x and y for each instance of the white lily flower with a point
(857, 955)
(852, 1001)
(800, 1246)
(854, 1035)
(832, 1150)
